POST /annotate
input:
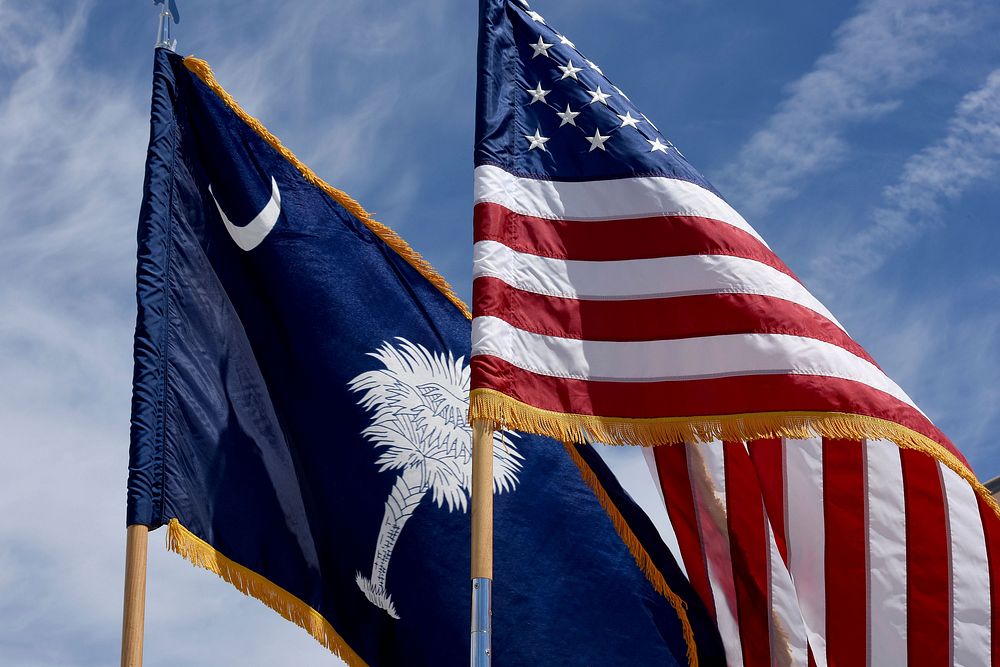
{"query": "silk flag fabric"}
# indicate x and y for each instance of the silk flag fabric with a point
(820, 551)
(299, 425)
(618, 298)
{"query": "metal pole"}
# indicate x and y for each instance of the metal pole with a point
(163, 39)
(482, 544)
(135, 595)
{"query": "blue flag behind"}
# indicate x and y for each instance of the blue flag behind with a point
(299, 423)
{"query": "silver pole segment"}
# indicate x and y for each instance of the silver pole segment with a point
(482, 622)
(163, 39)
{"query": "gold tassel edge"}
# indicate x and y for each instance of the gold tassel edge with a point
(202, 554)
(638, 552)
(505, 412)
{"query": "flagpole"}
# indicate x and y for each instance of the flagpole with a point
(134, 613)
(482, 544)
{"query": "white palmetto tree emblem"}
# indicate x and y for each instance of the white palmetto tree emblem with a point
(419, 401)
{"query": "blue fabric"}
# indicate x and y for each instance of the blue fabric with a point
(246, 429)
(507, 114)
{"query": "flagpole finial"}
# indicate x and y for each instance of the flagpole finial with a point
(168, 13)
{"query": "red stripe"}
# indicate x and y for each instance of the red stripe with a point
(846, 559)
(690, 316)
(768, 457)
(690, 398)
(991, 530)
(749, 549)
(671, 466)
(633, 238)
(928, 592)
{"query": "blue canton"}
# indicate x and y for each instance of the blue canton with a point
(548, 112)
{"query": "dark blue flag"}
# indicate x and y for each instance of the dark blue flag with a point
(299, 424)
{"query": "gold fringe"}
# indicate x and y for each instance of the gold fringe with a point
(204, 72)
(639, 553)
(202, 554)
(504, 412)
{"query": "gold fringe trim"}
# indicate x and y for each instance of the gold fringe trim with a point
(639, 552)
(504, 412)
(202, 554)
(204, 72)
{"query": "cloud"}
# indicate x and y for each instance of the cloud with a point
(885, 49)
(967, 155)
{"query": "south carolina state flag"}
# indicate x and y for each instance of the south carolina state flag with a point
(299, 424)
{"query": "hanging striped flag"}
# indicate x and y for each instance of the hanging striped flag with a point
(820, 551)
(618, 298)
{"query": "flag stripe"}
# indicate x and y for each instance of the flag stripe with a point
(681, 359)
(676, 317)
(928, 585)
(970, 573)
(807, 536)
(846, 557)
(789, 639)
(886, 554)
(638, 197)
(706, 467)
(876, 550)
(768, 461)
(617, 239)
(717, 396)
(678, 493)
(748, 537)
(991, 531)
(639, 278)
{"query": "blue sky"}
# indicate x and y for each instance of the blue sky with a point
(861, 139)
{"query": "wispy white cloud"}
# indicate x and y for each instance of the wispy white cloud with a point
(967, 155)
(884, 50)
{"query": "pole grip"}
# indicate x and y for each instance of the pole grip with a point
(482, 500)
(134, 612)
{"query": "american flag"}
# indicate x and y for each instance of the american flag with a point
(619, 298)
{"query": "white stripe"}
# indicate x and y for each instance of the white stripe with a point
(806, 537)
(631, 468)
(886, 554)
(789, 638)
(604, 200)
(682, 359)
(639, 278)
(970, 573)
(707, 472)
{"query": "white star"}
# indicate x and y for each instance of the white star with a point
(541, 48)
(649, 121)
(598, 96)
(536, 17)
(537, 94)
(597, 141)
(619, 90)
(594, 66)
(628, 121)
(537, 140)
(563, 40)
(567, 116)
(569, 71)
(655, 145)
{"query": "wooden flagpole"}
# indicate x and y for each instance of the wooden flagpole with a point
(134, 613)
(482, 544)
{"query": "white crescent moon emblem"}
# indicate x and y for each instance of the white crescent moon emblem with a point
(250, 235)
